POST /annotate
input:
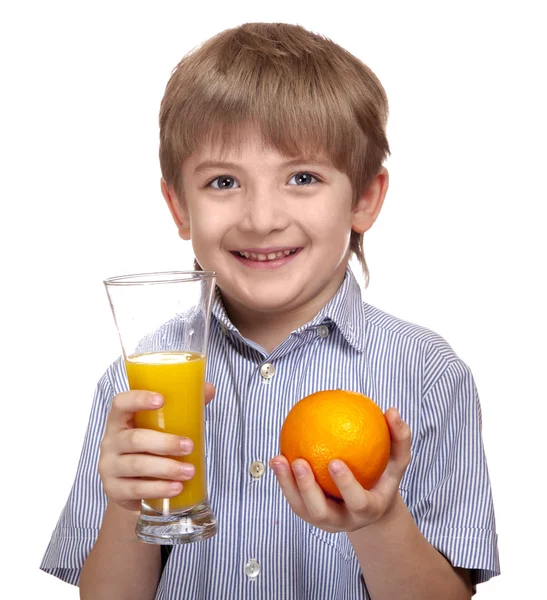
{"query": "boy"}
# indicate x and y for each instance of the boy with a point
(272, 141)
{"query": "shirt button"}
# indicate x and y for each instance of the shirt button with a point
(252, 569)
(323, 331)
(257, 469)
(267, 371)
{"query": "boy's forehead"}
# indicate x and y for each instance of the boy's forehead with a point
(237, 147)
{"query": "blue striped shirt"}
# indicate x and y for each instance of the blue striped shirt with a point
(348, 345)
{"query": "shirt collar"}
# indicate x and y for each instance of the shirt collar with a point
(219, 312)
(344, 310)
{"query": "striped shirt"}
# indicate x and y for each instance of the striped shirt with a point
(262, 549)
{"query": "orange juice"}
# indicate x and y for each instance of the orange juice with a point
(180, 378)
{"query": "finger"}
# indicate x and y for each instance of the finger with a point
(280, 466)
(209, 392)
(356, 498)
(400, 443)
(311, 493)
(137, 441)
(128, 490)
(154, 467)
(399, 459)
(126, 404)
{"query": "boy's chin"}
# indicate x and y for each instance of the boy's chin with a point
(265, 299)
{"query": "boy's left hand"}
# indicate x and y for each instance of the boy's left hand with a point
(360, 507)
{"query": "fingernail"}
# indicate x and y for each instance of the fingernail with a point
(156, 400)
(277, 467)
(175, 486)
(299, 471)
(186, 445)
(336, 467)
(187, 470)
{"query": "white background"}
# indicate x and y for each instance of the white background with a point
(459, 247)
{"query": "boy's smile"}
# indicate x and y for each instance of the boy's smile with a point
(266, 258)
(275, 229)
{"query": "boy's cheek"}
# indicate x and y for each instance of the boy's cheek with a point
(207, 245)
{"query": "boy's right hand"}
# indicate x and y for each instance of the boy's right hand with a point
(134, 463)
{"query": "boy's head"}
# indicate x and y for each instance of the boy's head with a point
(304, 94)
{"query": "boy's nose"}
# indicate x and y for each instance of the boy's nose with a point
(264, 212)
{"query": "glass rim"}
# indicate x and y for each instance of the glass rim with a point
(158, 278)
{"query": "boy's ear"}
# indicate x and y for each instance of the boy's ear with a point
(180, 216)
(370, 203)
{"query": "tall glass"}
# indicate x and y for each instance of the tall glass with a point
(163, 324)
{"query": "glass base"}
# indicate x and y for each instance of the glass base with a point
(192, 525)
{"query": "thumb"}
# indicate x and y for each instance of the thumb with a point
(209, 392)
(399, 432)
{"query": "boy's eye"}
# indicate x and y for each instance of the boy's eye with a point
(224, 182)
(303, 179)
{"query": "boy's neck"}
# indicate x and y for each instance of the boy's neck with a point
(270, 330)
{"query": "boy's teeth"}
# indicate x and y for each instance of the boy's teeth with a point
(266, 257)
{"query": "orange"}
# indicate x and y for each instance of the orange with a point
(337, 424)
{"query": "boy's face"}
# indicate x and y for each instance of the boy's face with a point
(276, 230)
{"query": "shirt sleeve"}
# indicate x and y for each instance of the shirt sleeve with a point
(81, 518)
(450, 497)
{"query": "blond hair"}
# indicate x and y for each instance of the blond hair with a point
(306, 95)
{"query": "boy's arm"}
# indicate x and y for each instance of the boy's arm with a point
(398, 562)
(120, 566)
(133, 464)
(395, 558)
(402, 556)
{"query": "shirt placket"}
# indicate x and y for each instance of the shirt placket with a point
(263, 421)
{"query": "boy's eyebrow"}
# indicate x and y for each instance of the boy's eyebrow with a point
(320, 162)
(212, 164)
